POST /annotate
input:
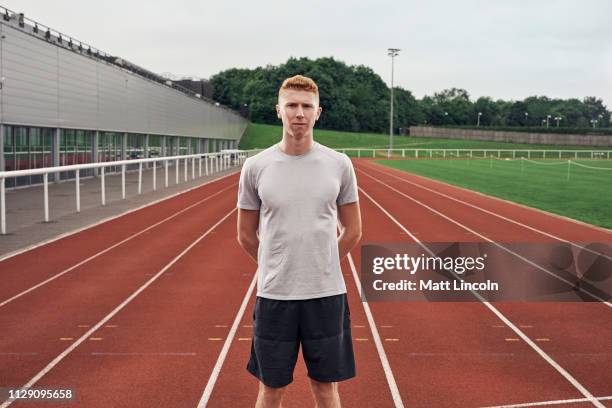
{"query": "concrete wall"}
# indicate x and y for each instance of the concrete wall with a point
(515, 137)
(47, 85)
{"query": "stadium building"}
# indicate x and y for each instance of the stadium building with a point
(65, 102)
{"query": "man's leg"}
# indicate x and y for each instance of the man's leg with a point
(325, 394)
(269, 397)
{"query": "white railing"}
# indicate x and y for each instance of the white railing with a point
(430, 153)
(211, 163)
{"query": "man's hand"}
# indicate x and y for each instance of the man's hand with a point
(349, 216)
(248, 223)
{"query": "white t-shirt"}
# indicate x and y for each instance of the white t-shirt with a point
(297, 197)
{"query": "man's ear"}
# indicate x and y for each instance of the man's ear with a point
(278, 111)
(319, 110)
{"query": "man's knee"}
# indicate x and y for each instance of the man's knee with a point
(271, 394)
(324, 390)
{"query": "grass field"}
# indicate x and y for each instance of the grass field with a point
(585, 196)
(262, 136)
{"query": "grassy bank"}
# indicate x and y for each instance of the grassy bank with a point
(262, 136)
(586, 195)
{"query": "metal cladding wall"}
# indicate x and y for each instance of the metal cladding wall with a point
(49, 86)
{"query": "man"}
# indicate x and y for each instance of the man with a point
(293, 193)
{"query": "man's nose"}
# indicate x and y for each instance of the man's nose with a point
(300, 112)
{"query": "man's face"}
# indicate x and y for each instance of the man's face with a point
(299, 110)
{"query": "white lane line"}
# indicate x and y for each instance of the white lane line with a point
(397, 398)
(490, 212)
(94, 256)
(503, 318)
(226, 346)
(145, 354)
(571, 284)
(109, 316)
(543, 403)
(112, 217)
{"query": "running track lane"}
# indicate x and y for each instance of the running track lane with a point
(578, 334)
(27, 269)
(236, 387)
(82, 297)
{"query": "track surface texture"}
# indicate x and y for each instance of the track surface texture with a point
(154, 309)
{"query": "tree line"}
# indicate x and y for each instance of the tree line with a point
(355, 98)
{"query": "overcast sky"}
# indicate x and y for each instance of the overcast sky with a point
(507, 49)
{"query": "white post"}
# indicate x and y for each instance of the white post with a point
(200, 166)
(185, 175)
(3, 205)
(206, 165)
(154, 176)
(358, 153)
(166, 165)
(78, 190)
(192, 168)
(176, 173)
(123, 181)
(591, 155)
(102, 172)
(46, 195)
(140, 178)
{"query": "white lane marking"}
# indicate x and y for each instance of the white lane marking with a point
(226, 346)
(503, 318)
(109, 316)
(397, 398)
(65, 271)
(571, 284)
(112, 217)
(144, 354)
(491, 212)
(543, 403)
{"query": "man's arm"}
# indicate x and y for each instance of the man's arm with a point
(248, 223)
(350, 221)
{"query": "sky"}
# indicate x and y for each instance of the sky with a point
(505, 49)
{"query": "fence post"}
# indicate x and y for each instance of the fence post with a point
(176, 172)
(140, 178)
(3, 209)
(77, 179)
(102, 173)
(46, 195)
(154, 176)
(123, 181)
(3, 205)
(166, 164)
(185, 169)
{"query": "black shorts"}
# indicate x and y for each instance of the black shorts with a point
(322, 326)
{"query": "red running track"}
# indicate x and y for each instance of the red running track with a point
(143, 324)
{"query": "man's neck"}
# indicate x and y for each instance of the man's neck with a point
(294, 147)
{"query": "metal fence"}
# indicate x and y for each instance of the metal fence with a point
(475, 153)
(206, 164)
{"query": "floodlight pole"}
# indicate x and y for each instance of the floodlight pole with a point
(392, 52)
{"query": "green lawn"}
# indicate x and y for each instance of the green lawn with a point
(262, 136)
(586, 196)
